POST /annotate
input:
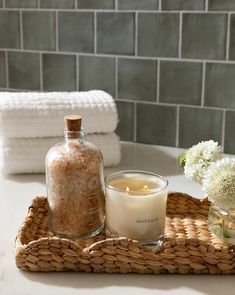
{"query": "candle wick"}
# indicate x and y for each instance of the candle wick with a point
(146, 189)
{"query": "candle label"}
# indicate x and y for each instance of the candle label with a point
(150, 220)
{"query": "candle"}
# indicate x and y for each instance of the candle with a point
(136, 205)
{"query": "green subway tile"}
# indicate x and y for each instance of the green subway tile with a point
(138, 4)
(137, 79)
(226, 5)
(97, 73)
(76, 31)
(180, 82)
(65, 4)
(125, 127)
(183, 4)
(39, 30)
(24, 70)
(229, 141)
(96, 4)
(115, 33)
(219, 85)
(198, 124)
(232, 37)
(21, 3)
(158, 34)
(156, 124)
(9, 29)
(2, 69)
(59, 72)
(204, 35)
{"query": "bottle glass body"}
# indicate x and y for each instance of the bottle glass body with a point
(222, 223)
(75, 188)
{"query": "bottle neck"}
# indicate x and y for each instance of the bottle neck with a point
(74, 136)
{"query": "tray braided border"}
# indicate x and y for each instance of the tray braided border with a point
(189, 246)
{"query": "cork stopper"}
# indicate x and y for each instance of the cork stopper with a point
(73, 123)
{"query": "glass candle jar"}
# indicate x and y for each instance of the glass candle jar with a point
(75, 187)
(136, 206)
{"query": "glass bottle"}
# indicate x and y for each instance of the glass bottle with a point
(222, 223)
(75, 187)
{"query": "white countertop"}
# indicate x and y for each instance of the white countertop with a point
(16, 193)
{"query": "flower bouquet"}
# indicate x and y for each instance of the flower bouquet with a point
(204, 163)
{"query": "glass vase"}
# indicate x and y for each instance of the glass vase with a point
(221, 222)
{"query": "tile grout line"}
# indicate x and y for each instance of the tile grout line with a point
(3, 3)
(135, 122)
(156, 11)
(206, 5)
(219, 61)
(38, 4)
(175, 105)
(160, 5)
(21, 31)
(95, 32)
(116, 5)
(75, 4)
(203, 84)
(15, 89)
(228, 36)
(158, 82)
(57, 30)
(223, 128)
(180, 34)
(116, 77)
(136, 33)
(77, 72)
(7, 69)
(41, 71)
(177, 126)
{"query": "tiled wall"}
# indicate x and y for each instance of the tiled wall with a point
(169, 63)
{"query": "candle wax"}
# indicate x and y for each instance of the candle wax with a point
(134, 185)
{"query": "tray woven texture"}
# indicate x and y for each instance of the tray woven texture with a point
(189, 246)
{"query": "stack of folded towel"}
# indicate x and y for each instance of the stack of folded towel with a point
(31, 123)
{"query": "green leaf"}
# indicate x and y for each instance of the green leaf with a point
(182, 159)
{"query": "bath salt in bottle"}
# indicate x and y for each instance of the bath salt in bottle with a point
(75, 188)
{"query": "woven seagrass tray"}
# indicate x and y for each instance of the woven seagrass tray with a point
(189, 246)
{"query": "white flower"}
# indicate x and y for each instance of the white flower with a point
(219, 183)
(199, 157)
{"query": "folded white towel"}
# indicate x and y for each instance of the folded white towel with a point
(35, 114)
(27, 155)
